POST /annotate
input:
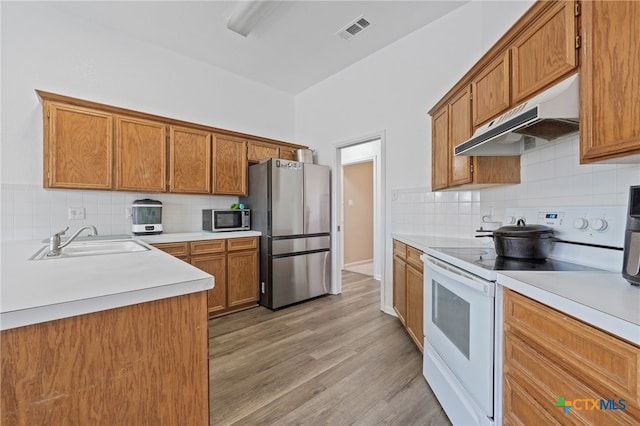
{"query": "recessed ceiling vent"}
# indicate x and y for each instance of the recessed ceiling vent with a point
(354, 28)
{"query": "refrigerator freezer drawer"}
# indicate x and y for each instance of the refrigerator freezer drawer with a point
(297, 278)
(295, 245)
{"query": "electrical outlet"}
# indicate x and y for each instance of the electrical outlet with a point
(75, 213)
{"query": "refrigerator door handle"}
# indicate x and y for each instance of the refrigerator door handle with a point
(324, 272)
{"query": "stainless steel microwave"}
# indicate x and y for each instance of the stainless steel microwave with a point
(218, 220)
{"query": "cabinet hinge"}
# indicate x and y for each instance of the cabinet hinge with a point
(338, 228)
(578, 42)
(576, 9)
(471, 96)
(48, 113)
(471, 167)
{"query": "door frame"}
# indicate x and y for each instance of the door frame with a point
(379, 211)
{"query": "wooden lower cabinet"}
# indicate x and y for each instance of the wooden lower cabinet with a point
(234, 263)
(143, 364)
(553, 361)
(408, 290)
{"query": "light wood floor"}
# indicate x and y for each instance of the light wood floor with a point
(335, 360)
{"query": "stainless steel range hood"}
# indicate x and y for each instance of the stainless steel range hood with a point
(549, 115)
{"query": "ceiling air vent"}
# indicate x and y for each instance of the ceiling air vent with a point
(354, 28)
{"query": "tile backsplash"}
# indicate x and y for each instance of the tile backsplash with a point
(551, 176)
(32, 212)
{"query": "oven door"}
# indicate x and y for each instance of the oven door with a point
(459, 328)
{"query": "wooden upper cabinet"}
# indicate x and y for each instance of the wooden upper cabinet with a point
(288, 153)
(140, 155)
(189, 160)
(545, 52)
(491, 92)
(609, 80)
(257, 152)
(460, 130)
(78, 147)
(440, 154)
(229, 165)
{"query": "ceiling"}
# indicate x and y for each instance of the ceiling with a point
(292, 48)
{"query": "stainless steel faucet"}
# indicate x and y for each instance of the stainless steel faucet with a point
(54, 241)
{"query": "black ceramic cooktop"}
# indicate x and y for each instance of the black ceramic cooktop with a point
(487, 258)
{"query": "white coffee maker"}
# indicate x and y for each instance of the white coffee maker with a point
(147, 217)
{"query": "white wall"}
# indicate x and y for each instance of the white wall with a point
(391, 92)
(43, 49)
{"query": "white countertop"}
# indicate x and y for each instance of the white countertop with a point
(196, 236)
(37, 291)
(603, 299)
(423, 242)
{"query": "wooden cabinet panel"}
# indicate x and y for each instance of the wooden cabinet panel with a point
(140, 155)
(551, 354)
(174, 249)
(609, 80)
(257, 152)
(440, 154)
(545, 52)
(243, 277)
(415, 304)
(140, 364)
(460, 129)
(413, 258)
(288, 153)
(234, 244)
(207, 246)
(229, 165)
(400, 288)
(400, 249)
(491, 92)
(189, 160)
(78, 147)
(216, 265)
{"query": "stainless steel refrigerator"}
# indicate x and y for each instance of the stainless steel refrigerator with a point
(290, 205)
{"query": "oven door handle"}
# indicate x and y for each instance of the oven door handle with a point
(460, 276)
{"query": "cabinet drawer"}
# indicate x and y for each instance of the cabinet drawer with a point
(413, 258)
(609, 365)
(543, 381)
(174, 249)
(244, 243)
(400, 249)
(207, 246)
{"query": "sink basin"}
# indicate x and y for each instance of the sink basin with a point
(92, 248)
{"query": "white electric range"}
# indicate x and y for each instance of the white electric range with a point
(460, 307)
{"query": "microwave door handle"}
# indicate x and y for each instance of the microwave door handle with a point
(460, 276)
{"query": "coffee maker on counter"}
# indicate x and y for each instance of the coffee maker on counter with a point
(147, 217)
(631, 262)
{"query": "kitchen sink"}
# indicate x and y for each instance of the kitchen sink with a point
(92, 248)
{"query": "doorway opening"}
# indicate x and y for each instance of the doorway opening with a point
(359, 212)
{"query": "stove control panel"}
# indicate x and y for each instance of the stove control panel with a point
(596, 225)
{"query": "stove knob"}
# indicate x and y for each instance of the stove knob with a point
(581, 223)
(599, 224)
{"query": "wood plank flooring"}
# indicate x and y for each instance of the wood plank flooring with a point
(335, 360)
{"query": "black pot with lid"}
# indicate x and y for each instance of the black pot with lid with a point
(522, 241)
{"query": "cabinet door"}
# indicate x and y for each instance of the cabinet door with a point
(78, 148)
(229, 165)
(609, 80)
(415, 292)
(288, 153)
(216, 265)
(140, 155)
(459, 131)
(189, 161)
(257, 152)
(545, 52)
(491, 93)
(243, 277)
(400, 288)
(440, 155)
